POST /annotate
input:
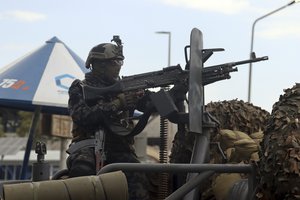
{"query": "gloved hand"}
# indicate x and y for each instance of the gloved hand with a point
(124, 101)
(121, 99)
(117, 103)
(130, 99)
(145, 102)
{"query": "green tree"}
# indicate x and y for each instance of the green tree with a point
(25, 123)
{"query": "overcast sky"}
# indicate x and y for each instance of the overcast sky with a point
(26, 25)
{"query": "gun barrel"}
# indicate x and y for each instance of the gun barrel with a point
(232, 64)
(252, 60)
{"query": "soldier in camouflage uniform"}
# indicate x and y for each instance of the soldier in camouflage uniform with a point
(109, 113)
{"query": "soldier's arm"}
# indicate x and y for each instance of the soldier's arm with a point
(82, 113)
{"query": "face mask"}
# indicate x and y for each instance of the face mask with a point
(112, 72)
(108, 70)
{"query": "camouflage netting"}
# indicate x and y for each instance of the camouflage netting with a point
(239, 115)
(234, 115)
(238, 118)
(280, 157)
(241, 126)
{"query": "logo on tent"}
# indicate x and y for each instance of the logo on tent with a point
(64, 81)
(13, 84)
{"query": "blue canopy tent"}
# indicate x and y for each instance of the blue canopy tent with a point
(39, 82)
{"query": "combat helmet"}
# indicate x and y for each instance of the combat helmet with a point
(106, 52)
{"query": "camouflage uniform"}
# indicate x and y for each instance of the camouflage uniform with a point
(110, 114)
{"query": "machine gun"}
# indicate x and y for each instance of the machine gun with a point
(167, 76)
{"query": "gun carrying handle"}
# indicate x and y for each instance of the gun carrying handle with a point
(186, 54)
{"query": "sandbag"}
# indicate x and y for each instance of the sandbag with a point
(223, 183)
(110, 186)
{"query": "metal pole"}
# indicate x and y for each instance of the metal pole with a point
(164, 132)
(34, 123)
(252, 55)
(169, 50)
(169, 44)
(190, 185)
(177, 168)
(206, 169)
